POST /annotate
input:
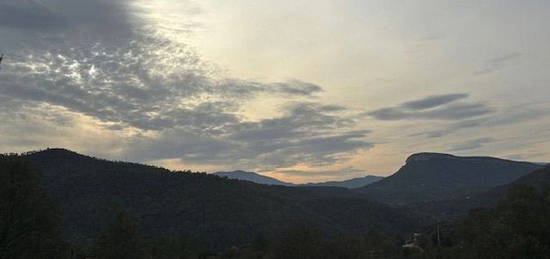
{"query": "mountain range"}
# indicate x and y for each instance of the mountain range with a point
(428, 188)
(230, 212)
(261, 179)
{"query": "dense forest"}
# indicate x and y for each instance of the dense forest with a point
(47, 203)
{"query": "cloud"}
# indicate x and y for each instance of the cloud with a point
(509, 116)
(472, 144)
(347, 171)
(306, 133)
(440, 107)
(453, 128)
(497, 63)
(29, 15)
(150, 84)
(27, 126)
(525, 156)
(44, 24)
(126, 77)
(433, 101)
(120, 88)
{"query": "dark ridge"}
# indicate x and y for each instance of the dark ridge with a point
(433, 176)
(425, 156)
(228, 212)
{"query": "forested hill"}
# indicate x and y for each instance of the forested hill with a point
(88, 190)
(431, 176)
(457, 207)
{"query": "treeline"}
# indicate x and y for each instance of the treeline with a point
(519, 227)
(302, 241)
(30, 227)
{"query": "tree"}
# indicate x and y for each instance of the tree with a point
(122, 239)
(174, 247)
(29, 220)
(301, 242)
(519, 227)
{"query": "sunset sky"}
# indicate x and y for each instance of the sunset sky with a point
(303, 91)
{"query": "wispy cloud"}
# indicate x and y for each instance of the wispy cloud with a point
(439, 107)
(497, 63)
(124, 79)
(307, 133)
(346, 172)
(509, 116)
(433, 101)
(472, 144)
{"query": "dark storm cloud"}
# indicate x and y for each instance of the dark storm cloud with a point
(442, 107)
(472, 144)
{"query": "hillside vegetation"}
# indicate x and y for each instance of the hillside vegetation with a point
(88, 190)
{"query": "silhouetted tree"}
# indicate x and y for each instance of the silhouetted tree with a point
(29, 220)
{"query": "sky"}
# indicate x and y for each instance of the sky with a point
(303, 91)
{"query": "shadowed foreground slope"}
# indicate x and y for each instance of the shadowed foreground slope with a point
(457, 207)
